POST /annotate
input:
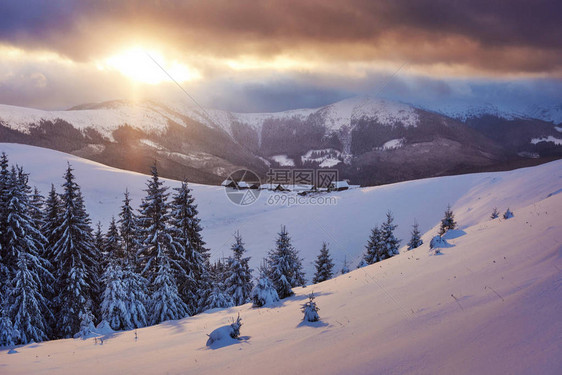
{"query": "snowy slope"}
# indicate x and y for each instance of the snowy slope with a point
(490, 304)
(152, 117)
(339, 115)
(145, 116)
(463, 111)
(344, 220)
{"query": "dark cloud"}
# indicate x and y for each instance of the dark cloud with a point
(489, 35)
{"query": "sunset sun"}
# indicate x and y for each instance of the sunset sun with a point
(148, 66)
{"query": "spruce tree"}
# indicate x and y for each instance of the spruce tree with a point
(193, 257)
(136, 285)
(129, 231)
(324, 265)
(374, 247)
(75, 259)
(345, 267)
(264, 293)
(28, 306)
(159, 254)
(495, 213)
(27, 272)
(415, 239)
(310, 310)
(112, 243)
(114, 307)
(99, 241)
(8, 335)
(216, 296)
(36, 207)
(4, 180)
(52, 219)
(448, 221)
(391, 243)
(285, 266)
(238, 281)
(137, 297)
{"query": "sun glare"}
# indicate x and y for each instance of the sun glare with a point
(138, 65)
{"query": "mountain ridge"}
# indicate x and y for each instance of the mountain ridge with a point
(205, 145)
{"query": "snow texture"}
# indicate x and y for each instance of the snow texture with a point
(491, 304)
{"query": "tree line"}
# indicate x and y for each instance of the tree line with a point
(59, 278)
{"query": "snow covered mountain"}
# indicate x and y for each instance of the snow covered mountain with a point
(489, 304)
(374, 141)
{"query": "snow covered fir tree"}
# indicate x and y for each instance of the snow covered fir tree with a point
(217, 296)
(324, 265)
(75, 263)
(25, 276)
(238, 281)
(264, 292)
(448, 221)
(415, 239)
(284, 267)
(194, 279)
(310, 310)
(159, 254)
(382, 243)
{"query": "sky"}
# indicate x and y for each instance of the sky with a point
(273, 55)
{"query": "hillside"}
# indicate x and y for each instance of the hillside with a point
(345, 225)
(490, 304)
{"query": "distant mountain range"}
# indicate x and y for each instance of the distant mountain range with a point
(369, 141)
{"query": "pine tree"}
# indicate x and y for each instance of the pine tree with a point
(194, 282)
(448, 221)
(129, 231)
(111, 243)
(285, 266)
(391, 243)
(415, 239)
(508, 214)
(8, 335)
(36, 207)
(135, 284)
(75, 261)
(137, 301)
(216, 296)
(26, 268)
(165, 302)
(238, 281)
(264, 293)
(159, 255)
(374, 247)
(4, 180)
(345, 267)
(114, 307)
(28, 306)
(99, 241)
(52, 219)
(495, 214)
(324, 265)
(310, 310)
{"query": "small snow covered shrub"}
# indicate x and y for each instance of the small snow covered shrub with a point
(495, 214)
(508, 214)
(437, 242)
(228, 332)
(310, 310)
